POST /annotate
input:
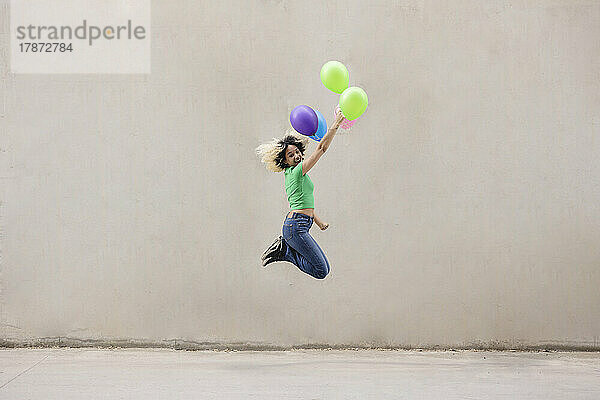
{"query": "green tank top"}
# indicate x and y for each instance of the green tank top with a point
(299, 188)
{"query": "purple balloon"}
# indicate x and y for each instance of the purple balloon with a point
(304, 120)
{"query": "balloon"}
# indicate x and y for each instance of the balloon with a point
(353, 102)
(334, 76)
(322, 129)
(304, 120)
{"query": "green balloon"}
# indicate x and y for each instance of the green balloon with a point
(353, 102)
(334, 76)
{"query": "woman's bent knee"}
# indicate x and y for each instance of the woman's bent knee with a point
(323, 269)
(321, 273)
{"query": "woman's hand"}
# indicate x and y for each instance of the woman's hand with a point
(339, 117)
(338, 111)
(324, 226)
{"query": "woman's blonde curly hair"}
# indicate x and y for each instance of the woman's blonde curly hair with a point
(272, 154)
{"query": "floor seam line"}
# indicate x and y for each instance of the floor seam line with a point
(18, 375)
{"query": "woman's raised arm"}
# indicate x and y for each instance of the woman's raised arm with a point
(323, 144)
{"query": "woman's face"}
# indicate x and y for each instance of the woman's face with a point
(292, 155)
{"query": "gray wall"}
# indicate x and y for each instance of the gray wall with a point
(463, 205)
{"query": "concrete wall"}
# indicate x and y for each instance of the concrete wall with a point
(463, 205)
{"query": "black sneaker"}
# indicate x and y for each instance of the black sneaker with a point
(272, 247)
(274, 252)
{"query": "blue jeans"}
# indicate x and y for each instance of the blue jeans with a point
(301, 249)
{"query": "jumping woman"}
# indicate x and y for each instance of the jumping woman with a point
(297, 245)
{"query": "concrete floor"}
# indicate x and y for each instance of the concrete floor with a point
(309, 374)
